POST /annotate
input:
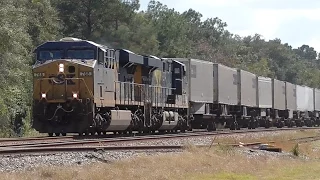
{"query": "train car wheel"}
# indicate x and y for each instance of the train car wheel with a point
(232, 126)
(50, 134)
(57, 134)
(211, 126)
(268, 124)
(64, 134)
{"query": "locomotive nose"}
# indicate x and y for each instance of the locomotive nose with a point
(62, 80)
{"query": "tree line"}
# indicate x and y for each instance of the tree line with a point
(159, 30)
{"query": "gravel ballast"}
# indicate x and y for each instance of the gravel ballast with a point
(14, 163)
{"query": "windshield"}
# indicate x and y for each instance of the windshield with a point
(48, 55)
(80, 54)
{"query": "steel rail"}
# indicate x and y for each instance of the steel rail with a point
(143, 138)
(36, 150)
(81, 148)
(101, 148)
(42, 138)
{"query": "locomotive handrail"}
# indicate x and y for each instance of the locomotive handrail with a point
(65, 83)
(152, 86)
(162, 87)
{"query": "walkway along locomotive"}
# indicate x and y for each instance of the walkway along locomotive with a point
(83, 87)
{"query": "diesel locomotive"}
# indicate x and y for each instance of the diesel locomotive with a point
(83, 87)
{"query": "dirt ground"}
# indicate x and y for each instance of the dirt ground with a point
(218, 162)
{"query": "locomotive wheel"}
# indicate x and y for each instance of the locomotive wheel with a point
(237, 127)
(312, 123)
(50, 134)
(280, 124)
(64, 134)
(253, 125)
(211, 126)
(250, 125)
(234, 126)
(267, 125)
(57, 134)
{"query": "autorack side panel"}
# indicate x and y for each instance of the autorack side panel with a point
(301, 100)
(225, 86)
(264, 92)
(291, 102)
(310, 99)
(304, 98)
(278, 95)
(199, 85)
(201, 81)
(247, 88)
(316, 99)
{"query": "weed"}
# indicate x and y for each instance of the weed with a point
(295, 150)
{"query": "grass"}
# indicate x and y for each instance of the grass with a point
(220, 162)
(280, 140)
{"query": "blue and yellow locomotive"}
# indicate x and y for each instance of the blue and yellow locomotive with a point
(87, 88)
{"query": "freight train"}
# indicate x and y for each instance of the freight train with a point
(83, 87)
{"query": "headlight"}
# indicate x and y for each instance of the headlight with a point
(75, 95)
(61, 68)
(43, 95)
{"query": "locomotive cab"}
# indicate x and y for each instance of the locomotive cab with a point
(63, 84)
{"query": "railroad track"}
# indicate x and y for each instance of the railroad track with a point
(71, 141)
(66, 144)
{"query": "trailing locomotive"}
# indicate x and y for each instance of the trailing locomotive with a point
(83, 87)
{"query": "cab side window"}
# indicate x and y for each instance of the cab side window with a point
(106, 59)
(113, 63)
(100, 57)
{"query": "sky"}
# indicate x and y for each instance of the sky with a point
(295, 22)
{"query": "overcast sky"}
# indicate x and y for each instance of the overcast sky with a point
(296, 22)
